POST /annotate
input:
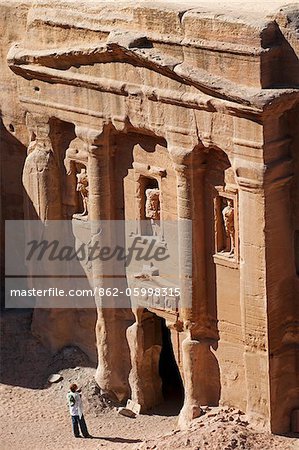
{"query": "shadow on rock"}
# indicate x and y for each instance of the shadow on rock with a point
(24, 361)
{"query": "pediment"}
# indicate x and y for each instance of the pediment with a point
(121, 47)
(66, 66)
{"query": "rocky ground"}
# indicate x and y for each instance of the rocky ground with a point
(34, 414)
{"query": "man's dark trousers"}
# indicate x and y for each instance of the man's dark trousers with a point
(76, 421)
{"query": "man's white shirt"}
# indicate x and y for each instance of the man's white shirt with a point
(75, 406)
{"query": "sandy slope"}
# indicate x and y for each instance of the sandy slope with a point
(38, 419)
(34, 414)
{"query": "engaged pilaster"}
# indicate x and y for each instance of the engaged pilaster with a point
(197, 358)
(265, 241)
(41, 175)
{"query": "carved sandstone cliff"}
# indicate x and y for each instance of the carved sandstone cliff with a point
(174, 113)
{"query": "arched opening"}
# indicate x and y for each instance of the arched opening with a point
(172, 384)
(164, 391)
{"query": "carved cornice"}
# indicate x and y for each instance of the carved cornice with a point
(214, 93)
(25, 62)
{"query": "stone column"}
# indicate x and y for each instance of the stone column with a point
(135, 337)
(145, 382)
(200, 312)
(253, 293)
(184, 213)
(42, 185)
(113, 353)
(41, 175)
(267, 275)
(282, 310)
(196, 356)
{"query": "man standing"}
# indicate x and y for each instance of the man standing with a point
(76, 411)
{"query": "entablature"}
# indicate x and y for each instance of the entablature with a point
(211, 62)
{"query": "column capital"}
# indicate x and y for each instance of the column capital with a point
(90, 136)
(190, 167)
(182, 169)
(187, 153)
(249, 174)
(38, 124)
(257, 176)
(180, 152)
(39, 133)
(180, 156)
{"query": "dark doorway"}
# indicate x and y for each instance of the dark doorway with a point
(172, 385)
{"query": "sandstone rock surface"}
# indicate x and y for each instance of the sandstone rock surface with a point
(197, 102)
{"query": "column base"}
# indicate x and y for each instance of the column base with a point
(187, 414)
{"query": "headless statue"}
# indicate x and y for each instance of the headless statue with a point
(229, 225)
(82, 187)
(152, 205)
(152, 208)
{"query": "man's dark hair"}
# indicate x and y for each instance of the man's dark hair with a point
(73, 387)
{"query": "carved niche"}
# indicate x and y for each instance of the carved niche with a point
(150, 202)
(226, 224)
(76, 188)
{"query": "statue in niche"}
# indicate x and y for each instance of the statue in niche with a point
(229, 226)
(152, 208)
(82, 187)
(152, 205)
